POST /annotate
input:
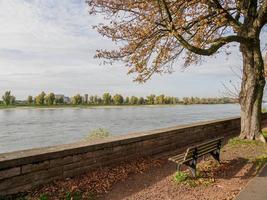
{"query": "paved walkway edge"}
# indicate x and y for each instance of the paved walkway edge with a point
(256, 188)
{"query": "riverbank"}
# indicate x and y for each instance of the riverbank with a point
(100, 106)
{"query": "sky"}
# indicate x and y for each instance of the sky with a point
(49, 45)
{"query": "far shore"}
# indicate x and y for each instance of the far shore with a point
(2, 107)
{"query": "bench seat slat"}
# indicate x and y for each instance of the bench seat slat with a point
(191, 149)
(211, 141)
(208, 145)
(181, 161)
(204, 153)
(177, 158)
(200, 151)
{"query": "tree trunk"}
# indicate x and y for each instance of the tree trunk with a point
(251, 94)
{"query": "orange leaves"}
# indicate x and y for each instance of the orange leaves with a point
(152, 35)
(97, 181)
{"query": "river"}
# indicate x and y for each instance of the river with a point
(24, 128)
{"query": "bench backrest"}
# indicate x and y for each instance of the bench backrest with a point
(203, 149)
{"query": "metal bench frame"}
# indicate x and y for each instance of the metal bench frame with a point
(189, 158)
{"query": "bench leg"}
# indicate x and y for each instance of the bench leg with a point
(216, 156)
(178, 168)
(193, 167)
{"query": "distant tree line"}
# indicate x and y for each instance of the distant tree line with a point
(108, 99)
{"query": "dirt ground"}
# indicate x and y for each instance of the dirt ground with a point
(152, 179)
(224, 181)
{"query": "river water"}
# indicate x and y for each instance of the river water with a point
(24, 128)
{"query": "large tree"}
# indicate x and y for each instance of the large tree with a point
(40, 99)
(153, 34)
(50, 98)
(8, 99)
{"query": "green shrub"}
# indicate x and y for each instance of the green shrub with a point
(98, 134)
(180, 177)
(260, 161)
(43, 197)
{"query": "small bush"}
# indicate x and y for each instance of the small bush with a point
(264, 133)
(43, 197)
(260, 161)
(98, 134)
(180, 177)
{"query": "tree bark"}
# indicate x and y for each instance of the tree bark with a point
(251, 94)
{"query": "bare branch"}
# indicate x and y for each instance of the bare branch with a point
(214, 47)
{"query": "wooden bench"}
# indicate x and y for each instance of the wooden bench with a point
(190, 157)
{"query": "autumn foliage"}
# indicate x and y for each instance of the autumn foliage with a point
(153, 34)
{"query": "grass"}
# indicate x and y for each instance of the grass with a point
(234, 142)
(264, 133)
(98, 134)
(260, 161)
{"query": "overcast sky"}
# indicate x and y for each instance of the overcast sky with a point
(48, 45)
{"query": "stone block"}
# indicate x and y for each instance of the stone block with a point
(61, 161)
(7, 173)
(35, 167)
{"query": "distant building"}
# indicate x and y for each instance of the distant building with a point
(85, 98)
(66, 99)
(61, 96)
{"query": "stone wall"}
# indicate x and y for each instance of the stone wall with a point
(23, 170)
